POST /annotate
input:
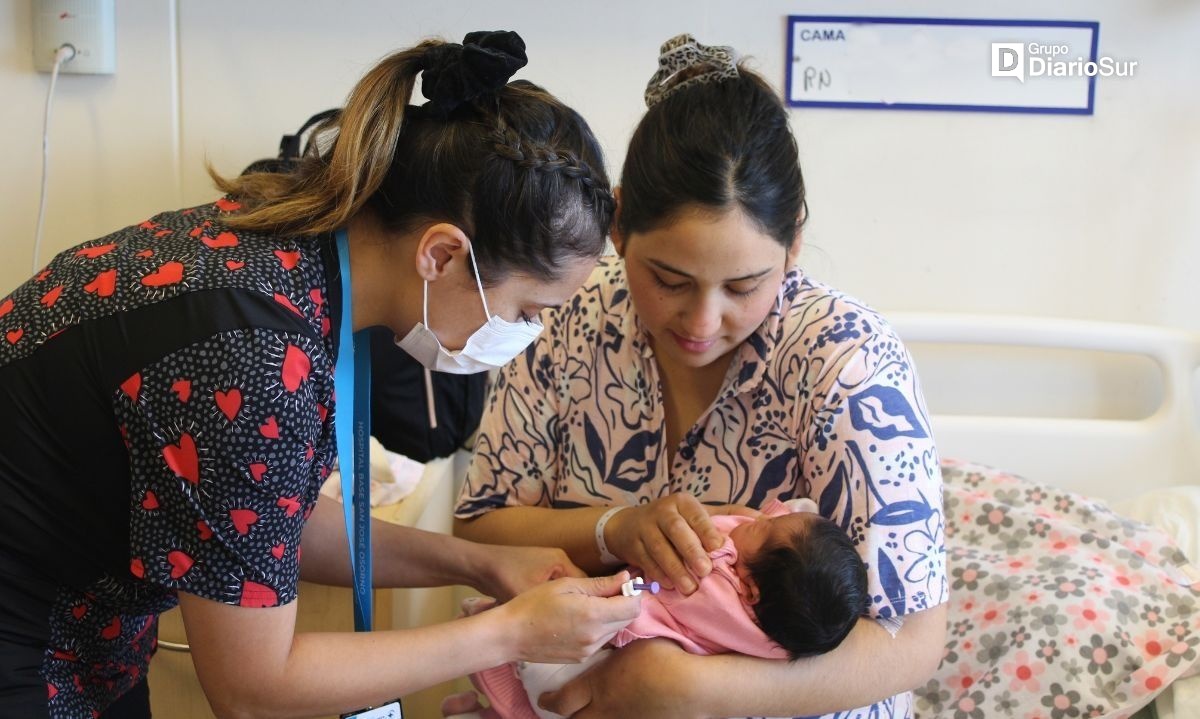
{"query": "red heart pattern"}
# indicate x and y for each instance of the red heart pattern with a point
(225, 239)
(170, 273)
(98, 251)
(181, 563)
(103, 284)
(258, 595)
(14, 336)
(243, 520)
(288, 258)
(182, 458)
(270, 428)
(132, 386)
(182, 389)
(6, 306)
(251, 406)
(52, 296)
(229, 402)
(283, 300)
(290, 505)
(113, 630)
(296, 368)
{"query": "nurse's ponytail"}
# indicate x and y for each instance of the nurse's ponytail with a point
(520, 172)
(323, 192)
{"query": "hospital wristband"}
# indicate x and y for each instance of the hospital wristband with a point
(607, 557)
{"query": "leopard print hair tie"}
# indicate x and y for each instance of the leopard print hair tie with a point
(683, 62)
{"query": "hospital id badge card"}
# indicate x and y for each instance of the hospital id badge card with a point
(391, 710)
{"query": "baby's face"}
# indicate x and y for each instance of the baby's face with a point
(751, 538)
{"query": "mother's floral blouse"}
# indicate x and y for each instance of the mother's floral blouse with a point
(821, 401)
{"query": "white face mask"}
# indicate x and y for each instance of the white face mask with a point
(490, 347)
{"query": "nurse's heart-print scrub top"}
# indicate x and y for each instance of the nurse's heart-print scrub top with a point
(166, 402)
(821, 401)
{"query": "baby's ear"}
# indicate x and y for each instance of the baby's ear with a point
(750, 590)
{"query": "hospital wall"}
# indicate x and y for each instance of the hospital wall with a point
(1086, 217)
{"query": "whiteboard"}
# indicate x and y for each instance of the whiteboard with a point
(889, 63)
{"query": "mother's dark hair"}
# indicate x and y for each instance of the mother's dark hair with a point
(715, 146)
(520, 172)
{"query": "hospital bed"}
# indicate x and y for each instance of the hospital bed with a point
(1132, 439)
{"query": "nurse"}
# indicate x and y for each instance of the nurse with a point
(700, 372)
(167, 404)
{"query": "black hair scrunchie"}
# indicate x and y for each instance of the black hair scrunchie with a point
(482, 64)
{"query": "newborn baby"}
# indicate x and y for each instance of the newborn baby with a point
(786, 585)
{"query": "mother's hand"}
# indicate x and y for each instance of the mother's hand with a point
(669, 538)
(648, 678)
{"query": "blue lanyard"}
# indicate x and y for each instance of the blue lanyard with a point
(352, 383)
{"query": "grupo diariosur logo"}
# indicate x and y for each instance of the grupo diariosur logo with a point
(1024, 60)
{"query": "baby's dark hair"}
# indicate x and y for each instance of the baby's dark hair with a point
(811, 590)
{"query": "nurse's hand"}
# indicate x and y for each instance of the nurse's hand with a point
(566, 620)
(505, 572)
(648, 678)
(669, 538)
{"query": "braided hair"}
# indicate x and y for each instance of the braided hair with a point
(517, 170)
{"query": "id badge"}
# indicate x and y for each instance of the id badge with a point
(391, 710)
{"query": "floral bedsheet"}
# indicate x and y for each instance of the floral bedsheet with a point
(1059, 609)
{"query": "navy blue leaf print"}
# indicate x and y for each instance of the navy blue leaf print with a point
(889, 578)
(759, 345)
(595, 445)
(831, 498)
(619, 296)
(771, 477)
(747, 371)
(885, 413)
(631, 465)
(901, 513)
(611, 330)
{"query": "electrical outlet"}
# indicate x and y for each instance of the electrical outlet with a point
(89, 25)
